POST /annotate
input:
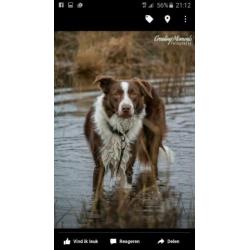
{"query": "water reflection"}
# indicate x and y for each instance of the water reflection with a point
(146, 206)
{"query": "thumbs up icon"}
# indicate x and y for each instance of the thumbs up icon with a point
(66, 242)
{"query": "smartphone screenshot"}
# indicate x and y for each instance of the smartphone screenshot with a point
(124, 124)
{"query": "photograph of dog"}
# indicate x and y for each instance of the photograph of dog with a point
(126, 122)
(124, 126)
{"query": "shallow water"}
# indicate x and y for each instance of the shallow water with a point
(74, 165)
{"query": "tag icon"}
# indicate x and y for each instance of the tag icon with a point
(149, 19)
(167, 18)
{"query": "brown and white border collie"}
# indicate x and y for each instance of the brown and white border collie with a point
(127, 121)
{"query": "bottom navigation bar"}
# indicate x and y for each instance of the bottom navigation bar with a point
(124, 239)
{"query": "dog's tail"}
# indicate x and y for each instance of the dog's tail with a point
(168, 153)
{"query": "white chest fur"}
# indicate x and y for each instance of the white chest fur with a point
(112, 143)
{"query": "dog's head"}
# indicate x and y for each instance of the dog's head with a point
(124, 98)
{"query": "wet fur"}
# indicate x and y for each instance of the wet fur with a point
(146, 130)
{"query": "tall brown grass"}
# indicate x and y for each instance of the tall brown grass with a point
(122, 54)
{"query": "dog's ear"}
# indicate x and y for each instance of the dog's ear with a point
(104, 82)
(145, 86)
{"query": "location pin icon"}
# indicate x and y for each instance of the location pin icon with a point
(167, 18)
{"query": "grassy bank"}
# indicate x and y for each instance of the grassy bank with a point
(80, 56)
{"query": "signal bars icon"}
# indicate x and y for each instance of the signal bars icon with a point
(151, 6)
(162, 5)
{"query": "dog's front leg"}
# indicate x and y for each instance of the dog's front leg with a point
(98, 177)
(130, 165)
(154, 152)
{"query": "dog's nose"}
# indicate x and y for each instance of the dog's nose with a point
(126, 108)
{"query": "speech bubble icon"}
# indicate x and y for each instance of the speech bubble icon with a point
(167, 18)
(113, 241)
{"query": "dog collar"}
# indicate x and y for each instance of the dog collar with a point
(115, 131)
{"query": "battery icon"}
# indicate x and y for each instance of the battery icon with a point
(171, 5)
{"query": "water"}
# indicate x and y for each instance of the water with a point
(74, 165)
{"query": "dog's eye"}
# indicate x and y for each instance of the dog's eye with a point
(116, 94)
(133, 94)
